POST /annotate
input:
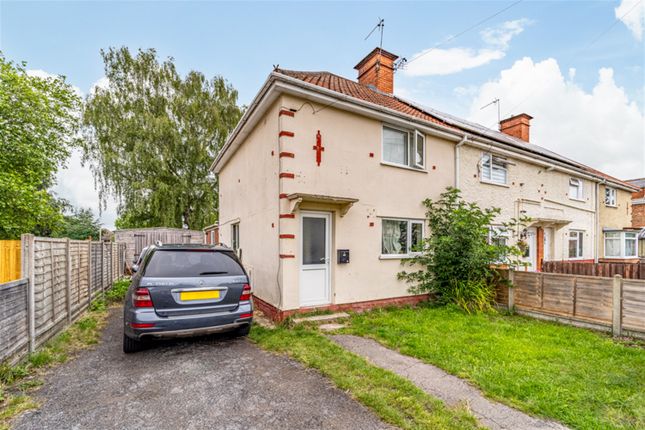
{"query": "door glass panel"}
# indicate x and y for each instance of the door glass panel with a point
(313, 240)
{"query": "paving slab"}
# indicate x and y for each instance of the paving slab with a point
(444, 386)
(214, 382)
(322, 318)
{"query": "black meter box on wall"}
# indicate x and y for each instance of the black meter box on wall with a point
(343, 256)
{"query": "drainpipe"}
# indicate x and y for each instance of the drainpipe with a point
(597, 234)
(461, 142)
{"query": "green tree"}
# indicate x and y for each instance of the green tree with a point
(457, 262)
(80, 224)
(38, 128)
(151, 136)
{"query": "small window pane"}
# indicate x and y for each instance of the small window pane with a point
(420, 150)
(499, 172)
(630, 247)
(395, 146)
(395, 237)
(416, 237)
(612, 244)
(313, 240)
(486, 168)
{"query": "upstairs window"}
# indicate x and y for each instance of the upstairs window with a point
(575, 189)
(405, 148)
(620, 244)
(610, 197)
(494, 169)
(575, 244)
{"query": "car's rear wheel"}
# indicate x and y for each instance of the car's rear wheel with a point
(131, 345)
(244, 330)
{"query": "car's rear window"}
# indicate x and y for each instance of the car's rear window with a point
(189, 263)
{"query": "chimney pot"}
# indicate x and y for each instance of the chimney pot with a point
(517, 126)
(376, 70)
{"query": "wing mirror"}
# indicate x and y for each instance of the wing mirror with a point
(135, 268)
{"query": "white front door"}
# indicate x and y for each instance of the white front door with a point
(315, 238)
(530, 254)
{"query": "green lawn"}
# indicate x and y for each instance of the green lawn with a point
(581, 378)
(394, 399)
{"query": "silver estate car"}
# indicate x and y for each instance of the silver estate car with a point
(186, 290)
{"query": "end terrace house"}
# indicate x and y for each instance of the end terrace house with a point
(322, 182)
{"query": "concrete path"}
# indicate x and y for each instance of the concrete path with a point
(213, 382)
(444, 386)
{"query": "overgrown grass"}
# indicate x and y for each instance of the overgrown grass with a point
(16, 382)
(579, 377)
(393, 398)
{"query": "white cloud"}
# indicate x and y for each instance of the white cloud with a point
(38, 73)
(632, 14)
(438, 61)
(602, 128)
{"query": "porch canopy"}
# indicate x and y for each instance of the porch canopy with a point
(342, 203)
(549, 222)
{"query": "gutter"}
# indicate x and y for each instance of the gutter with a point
(457, 159)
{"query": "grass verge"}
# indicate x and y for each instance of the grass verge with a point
(579, 377)
(394, 399)
(18, 382)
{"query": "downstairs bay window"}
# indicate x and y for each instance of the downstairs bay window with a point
(621, 244)
(401, 237)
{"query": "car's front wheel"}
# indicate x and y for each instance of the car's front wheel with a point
(131, 345)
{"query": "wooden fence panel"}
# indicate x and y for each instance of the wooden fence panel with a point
(626, 270)
(14, 331)
(594, 298)
(558, 294)
(633, 309)
(527, 292)
(9, 260)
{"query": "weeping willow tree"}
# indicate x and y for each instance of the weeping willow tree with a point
(150, 137)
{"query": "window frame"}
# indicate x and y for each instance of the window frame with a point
(502, 164)
(623, 239)
(609, 191)
(409, 253)
(580, 195)
(235, 237)
(410, 150)
(580, 235)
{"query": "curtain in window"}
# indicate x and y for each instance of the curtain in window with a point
(486, 166)
(630, 245)
(612, 244)
(395, 146)
(394, 237)
(499, 173)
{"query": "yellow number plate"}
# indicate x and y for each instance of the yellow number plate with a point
(199, 295)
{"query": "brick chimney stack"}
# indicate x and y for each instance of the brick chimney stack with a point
(517, 126)
(377, 70)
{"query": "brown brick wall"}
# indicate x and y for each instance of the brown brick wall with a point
(638, 215)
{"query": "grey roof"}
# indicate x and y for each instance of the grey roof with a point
(640, 182)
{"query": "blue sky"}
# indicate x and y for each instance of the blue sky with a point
(570, 51)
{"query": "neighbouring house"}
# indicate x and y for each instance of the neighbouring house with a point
(638, 203)
(138, 238)
(211, 234)
(322, 181)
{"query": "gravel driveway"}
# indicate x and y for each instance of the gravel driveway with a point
(213, 382)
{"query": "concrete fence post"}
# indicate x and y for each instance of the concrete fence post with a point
(68, 278)
(617, 305)
(511, 290)
(28, 272)
(90, 278)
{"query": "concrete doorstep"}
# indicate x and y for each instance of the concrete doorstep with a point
(444, 386)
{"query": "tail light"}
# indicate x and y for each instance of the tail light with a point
(141, 298)
(246, 293)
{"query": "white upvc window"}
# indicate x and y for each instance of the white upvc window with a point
(575, 189)
(404, 148)
(620, 244)
(494, 169)
(401, 237)
(235, 237)
(576, 239)
(610, 196)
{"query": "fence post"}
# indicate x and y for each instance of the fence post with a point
(68, 277)
(28, 266)
(511, 291)
(89, 272)
(617, 305)
(541, 277)
(102, 266)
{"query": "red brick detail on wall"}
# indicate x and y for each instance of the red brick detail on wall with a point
(287, 155)
(287, 175)
(287, 236)
(286, 112)
(287, 215)
(286, 134)
(282, 195)
(287, 256)
(277, 315)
